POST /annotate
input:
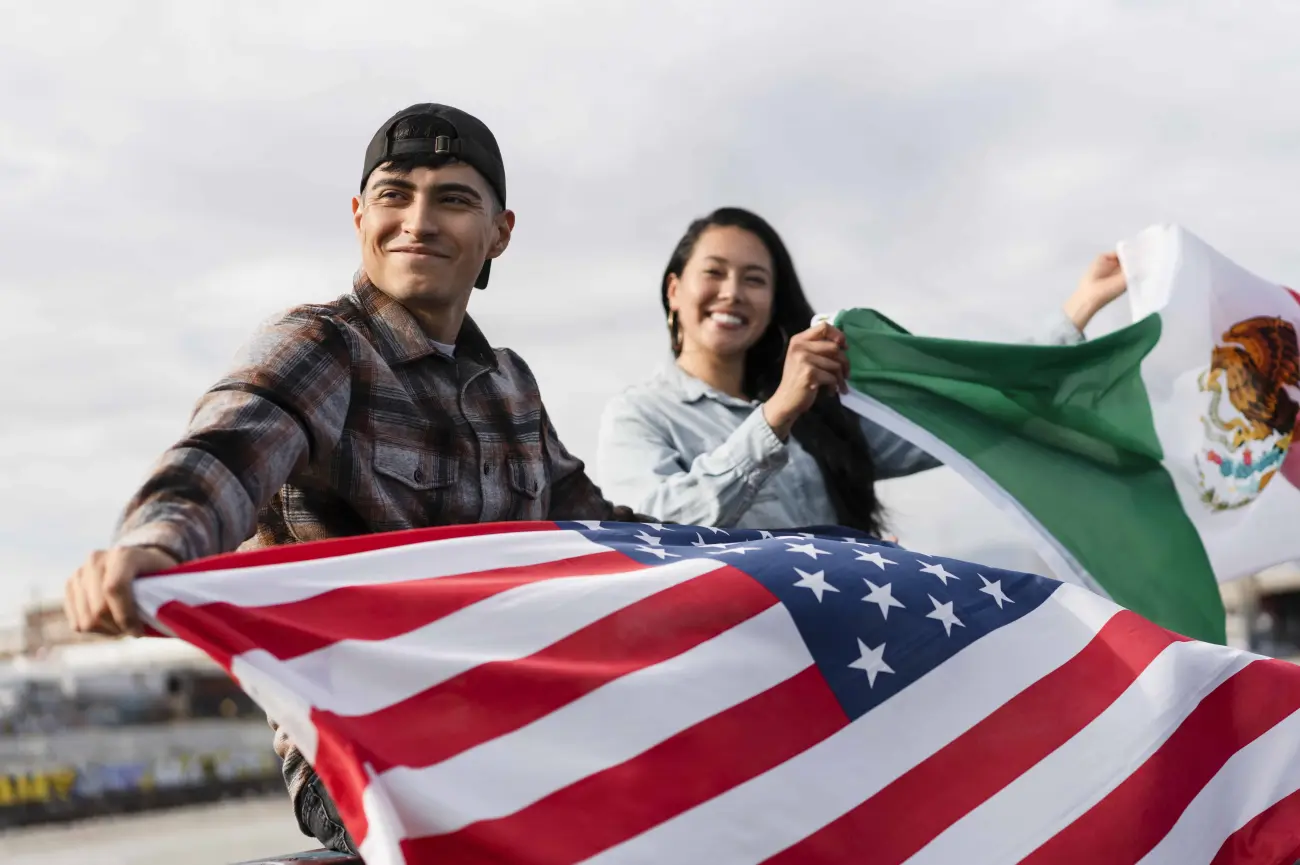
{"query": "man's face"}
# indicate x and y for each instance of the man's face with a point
(425, 234)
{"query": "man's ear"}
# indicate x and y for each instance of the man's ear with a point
(505, 226)
(356, 214)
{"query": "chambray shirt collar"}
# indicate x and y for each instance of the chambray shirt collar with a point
(690, 389)
(398, 335)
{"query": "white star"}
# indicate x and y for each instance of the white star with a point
(884, 596)
(764, 535)
(815, 582)
(591, 525)
(859, 542)
(944, 613)
(648, 540)
(717, 531)
(872, 662)
(875, 558)
(807, 549)
(658, 551)
(654, 527)
(941, 572)
(740, 551)
(699, 542)
(994, 590)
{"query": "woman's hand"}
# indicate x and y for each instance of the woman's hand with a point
(815, 359)
(1101, 283)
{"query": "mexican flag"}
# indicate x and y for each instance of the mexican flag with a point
(1150, 464)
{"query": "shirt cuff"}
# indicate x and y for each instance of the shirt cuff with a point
(163, 535)
(760, 446)
(1058, 329)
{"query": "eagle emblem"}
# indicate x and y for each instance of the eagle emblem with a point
(1251, 416)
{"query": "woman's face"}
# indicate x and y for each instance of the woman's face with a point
(723, 297)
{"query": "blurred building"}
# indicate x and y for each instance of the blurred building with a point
(1264, 612)
(42, 628)
(52, 678)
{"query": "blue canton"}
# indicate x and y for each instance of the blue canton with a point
(875, 617)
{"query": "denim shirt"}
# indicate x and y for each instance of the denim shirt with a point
(677, 448)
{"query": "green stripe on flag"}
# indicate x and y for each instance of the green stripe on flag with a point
(1067, 432)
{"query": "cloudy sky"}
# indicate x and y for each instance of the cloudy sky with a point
(176, 172)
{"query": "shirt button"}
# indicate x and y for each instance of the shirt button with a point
(487, 469)
(419, 476)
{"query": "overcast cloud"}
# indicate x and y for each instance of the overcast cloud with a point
(176, 172)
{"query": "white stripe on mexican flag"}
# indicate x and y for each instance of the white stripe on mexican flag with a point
(1149, 464)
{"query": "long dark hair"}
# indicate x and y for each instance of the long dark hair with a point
(828, 431)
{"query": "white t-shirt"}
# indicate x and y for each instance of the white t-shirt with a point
(449, 350)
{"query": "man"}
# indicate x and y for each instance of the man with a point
(385, 409)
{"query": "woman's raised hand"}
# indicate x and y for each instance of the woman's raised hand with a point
(814, 359)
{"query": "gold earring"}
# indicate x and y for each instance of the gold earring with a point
(672, 331)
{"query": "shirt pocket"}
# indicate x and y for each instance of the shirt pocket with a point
(414, 468)
(528, 487)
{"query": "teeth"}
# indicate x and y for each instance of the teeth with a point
(727, 318)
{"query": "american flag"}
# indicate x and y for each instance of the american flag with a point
(635, 693)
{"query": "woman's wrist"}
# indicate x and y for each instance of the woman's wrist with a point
(1080, 309)
(780, 422)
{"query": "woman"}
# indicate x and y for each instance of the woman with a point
(745, 428)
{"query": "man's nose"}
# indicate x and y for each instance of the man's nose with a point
(419, 220)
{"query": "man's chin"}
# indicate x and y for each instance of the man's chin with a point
(424, 290)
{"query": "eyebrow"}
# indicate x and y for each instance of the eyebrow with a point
(464, 188)
(720, 260)
(393, 181)
(396, 182)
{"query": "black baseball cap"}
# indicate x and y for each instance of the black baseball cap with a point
(454, 134)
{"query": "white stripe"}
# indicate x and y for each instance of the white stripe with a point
(296, 581)
(1025, 814)
(1251, 781)
(767, 814)
(382, 843)
(1063, 564)
(607, 727)
(282, 700)
(357, 677)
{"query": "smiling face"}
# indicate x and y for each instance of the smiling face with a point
(425, 233)
(723, 296)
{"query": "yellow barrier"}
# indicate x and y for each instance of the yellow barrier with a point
(172, 772)
(37, 787)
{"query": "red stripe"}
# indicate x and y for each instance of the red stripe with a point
(340, 764)
(619, 803)
(1124, 826)
(496, 698)
(379, 611)
(333, 547)
(1271, 838)
(218, 641)
(908, 813)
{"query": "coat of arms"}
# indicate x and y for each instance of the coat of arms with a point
(1248, 434)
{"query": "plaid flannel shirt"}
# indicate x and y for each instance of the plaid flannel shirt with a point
(343, 419)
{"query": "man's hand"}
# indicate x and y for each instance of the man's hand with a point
(98, 599)
(1101, 283)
